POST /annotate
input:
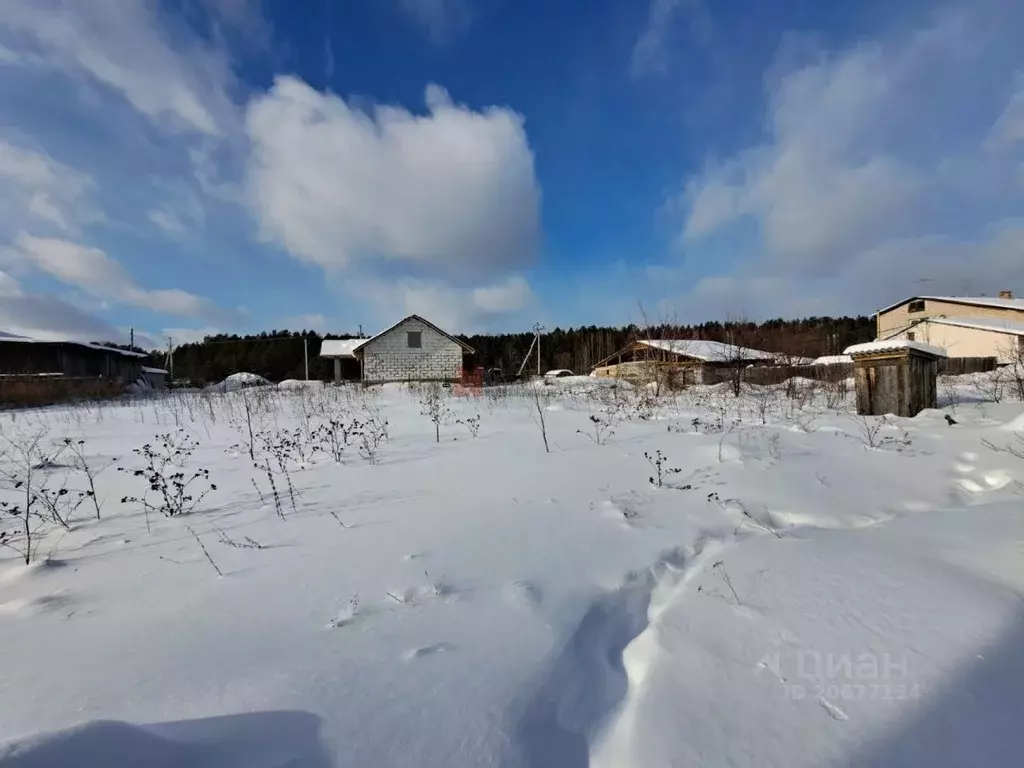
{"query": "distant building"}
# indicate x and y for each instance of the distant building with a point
(21, 356)
(981, 326)
(679, 361)
(412, 349)
(36, 372)
(154, 378)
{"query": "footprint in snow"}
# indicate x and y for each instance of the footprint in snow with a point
(523, 594)
(427, 650)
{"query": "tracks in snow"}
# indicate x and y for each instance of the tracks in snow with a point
(594, 672)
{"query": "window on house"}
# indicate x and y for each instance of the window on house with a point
(415, 339)
(910, 336)
(916, 306)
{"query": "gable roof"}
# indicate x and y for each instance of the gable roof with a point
(709, 351)
(977, 301)
(698, 349)
(364, 342)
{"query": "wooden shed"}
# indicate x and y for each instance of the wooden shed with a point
(895, 376)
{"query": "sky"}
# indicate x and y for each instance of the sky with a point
(188, 167)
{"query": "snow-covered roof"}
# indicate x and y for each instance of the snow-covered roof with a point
(832, 360)
(978, 301)
(147, 369)
(981, 323)
(339, 347)
(7, 337)
(893, 345)
(711, 351)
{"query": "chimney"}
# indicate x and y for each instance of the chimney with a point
(1006, 294)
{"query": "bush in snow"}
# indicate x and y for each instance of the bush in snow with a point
(37, 489)
(657, 460)
(172, 490)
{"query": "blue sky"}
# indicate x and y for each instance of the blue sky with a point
(192, 166)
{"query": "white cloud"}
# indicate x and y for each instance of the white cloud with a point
(650, 53)
(879, 170)
(441, 18)
(130, 48)
(93, 271)
(451, 192)
(41, 316)
(181, 215)
(458, 310)
(509, 296)
(37, 190)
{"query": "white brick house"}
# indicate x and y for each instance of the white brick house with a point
(410, 350)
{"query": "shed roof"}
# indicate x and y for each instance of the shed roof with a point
(832, 360)
(339, 347)
(11, 338)
(147, 369)
(893, 345)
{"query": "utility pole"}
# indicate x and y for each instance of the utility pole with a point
(131, 338)
(537, 329)
(305, 352)
(170, 359)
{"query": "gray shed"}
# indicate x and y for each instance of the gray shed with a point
(895, 376)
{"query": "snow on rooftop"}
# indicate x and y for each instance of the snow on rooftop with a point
(710, 351)
(832, 360)
(340, 347)
(894, 345)
(147, 369)
(981, 323)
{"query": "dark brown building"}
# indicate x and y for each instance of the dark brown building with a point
(30, 357)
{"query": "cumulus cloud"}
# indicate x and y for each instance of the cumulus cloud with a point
(886, 171)
(93, 271)
(452, 192)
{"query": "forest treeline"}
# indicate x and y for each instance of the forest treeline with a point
(278, 355)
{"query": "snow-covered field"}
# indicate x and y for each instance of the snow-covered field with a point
(805, 588)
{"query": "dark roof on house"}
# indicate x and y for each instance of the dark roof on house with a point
(10, 338)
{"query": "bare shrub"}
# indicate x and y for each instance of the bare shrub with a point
(870, 432)
(434, 407)
(172, 490)
(658, 460)
(28, 472)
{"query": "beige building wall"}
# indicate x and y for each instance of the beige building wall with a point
(899, 318)
(965, 342)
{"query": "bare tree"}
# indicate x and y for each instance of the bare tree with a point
(434, 407)
(541, 398)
